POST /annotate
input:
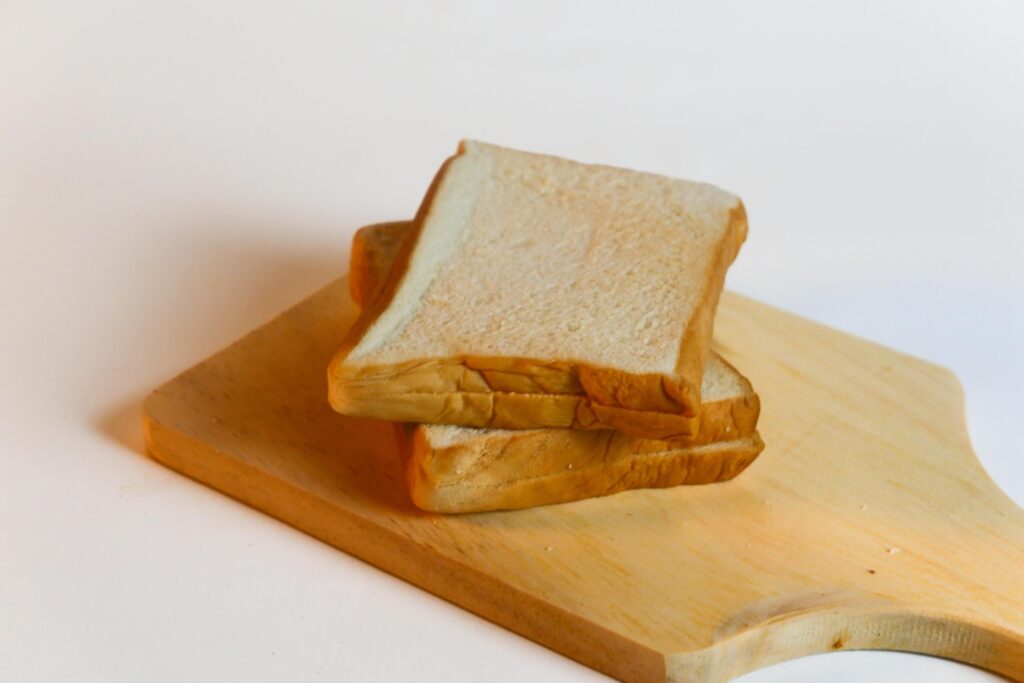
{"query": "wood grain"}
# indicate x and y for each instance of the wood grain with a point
(866, 523)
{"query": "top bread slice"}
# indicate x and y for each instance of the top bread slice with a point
(540, 292)
(457, 469)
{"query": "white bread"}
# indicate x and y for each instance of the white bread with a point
(465, 469)
(540, 292)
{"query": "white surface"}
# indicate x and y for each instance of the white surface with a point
(174, 173)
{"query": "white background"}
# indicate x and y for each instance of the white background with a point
(173, 174)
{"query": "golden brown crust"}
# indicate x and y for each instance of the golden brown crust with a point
(374, 248)
(500, 393)
(478, 403)
(534, 387)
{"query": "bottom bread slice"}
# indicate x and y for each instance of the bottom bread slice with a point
(463, 469)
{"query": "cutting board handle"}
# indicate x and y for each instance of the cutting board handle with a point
(873, 625)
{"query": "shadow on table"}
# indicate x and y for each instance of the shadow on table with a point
(244, 278)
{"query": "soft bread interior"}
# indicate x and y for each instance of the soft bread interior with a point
(589, 269)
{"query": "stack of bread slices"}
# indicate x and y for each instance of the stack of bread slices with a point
(541, 333)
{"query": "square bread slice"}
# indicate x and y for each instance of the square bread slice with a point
(465, 469)
(540, 292)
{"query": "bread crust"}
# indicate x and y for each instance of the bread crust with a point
(374, 248)
(505, 393)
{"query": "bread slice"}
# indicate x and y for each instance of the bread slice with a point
(450, 468)
(465, 469)
(540, 292)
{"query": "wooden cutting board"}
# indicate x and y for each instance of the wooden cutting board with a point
(866, 523)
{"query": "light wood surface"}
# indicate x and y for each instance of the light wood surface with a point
(866, 523)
